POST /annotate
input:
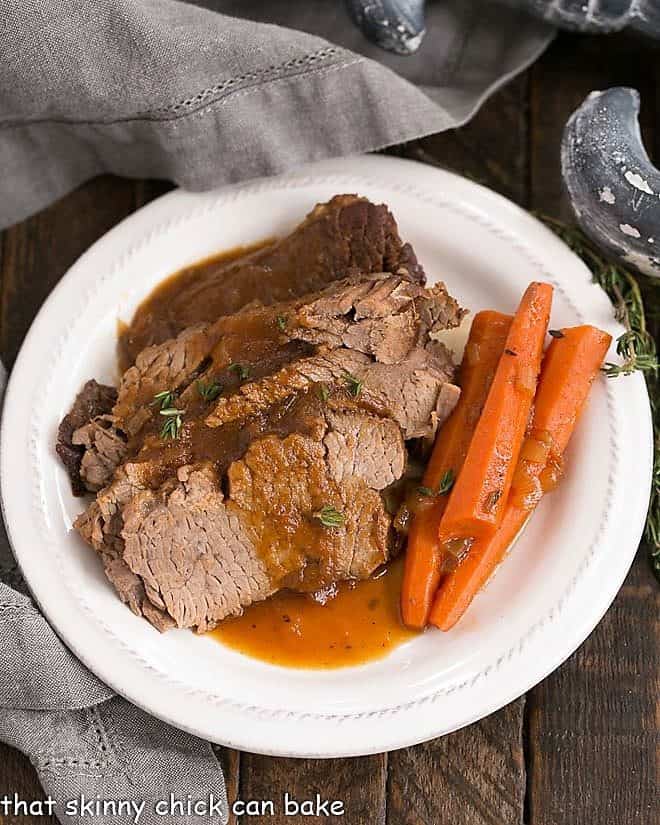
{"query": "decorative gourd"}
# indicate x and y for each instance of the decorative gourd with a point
(395, 25)
(613, 186)
(596, 16)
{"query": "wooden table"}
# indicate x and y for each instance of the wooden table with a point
(578, 749)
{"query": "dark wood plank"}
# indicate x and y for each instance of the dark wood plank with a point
(477, 775)
(38, 251)
(590, 727)
(358, 783)
(592, 724)
(231, 766)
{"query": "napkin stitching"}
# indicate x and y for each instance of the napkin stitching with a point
(270, 74)
(183, 119)
(121, 755)
(255, 75)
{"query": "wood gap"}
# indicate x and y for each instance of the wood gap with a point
(528, 760)
(386, 788)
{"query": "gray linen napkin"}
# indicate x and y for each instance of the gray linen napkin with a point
(157, 88)
(164, 89)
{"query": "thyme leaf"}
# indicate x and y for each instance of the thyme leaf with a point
(281, 322)
(329, 516)
(241, 370)
(163, 399)
(446, 482)
(353, 384)
(209, 391)
(173, 422)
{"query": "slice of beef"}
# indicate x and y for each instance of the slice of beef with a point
(93, 401)
(101, 526)
(203, 557)
(165, 366)
(105, 447)
(380, 314)
(384, 315)
(417, 394)
(346, 235)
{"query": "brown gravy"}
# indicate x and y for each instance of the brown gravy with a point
(360, 624)
(193, 294)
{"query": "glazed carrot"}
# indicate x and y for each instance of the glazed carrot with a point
(569, 368)
(483, 350)
(476, 504)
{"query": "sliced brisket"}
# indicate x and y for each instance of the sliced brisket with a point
(348, 234)
(315, 391)
(92, 402)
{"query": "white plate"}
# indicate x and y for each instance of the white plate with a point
(547, 597)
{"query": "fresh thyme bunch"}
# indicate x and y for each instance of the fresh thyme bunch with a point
(636, 300)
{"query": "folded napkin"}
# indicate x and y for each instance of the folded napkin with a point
(164, 89)
(157, 88)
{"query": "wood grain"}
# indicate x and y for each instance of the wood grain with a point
(591, 730)
(593, 733)
(38, 251)
(475, 776)
(359, 783)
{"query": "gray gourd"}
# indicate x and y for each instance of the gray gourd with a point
(398, 25)
(394, 25)
(613, 186)
(596, 16)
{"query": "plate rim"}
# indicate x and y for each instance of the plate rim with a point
(305, 176)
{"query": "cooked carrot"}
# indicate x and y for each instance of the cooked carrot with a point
(570, 365)
(483, 350)
(476, 504)
(569, 368)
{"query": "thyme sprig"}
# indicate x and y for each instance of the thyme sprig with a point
(241, 370)
(209, 390)
(446, 483)
(163, 399)
(173, 422)
(353, 385)
(636, 300)
(330, 516)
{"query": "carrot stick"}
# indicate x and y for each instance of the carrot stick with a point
(483, 350)
(476, 504)
(569, 368)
